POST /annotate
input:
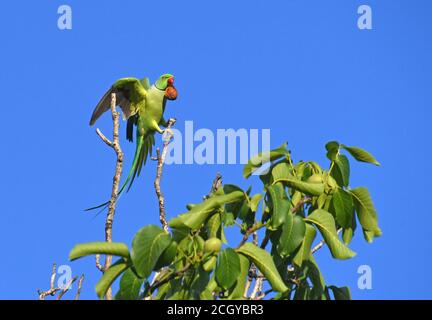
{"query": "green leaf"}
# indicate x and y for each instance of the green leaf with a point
(238, 290)
(293, 232)
(366, 212)
(199, 283)
(302, 292)
(361, 155)
(280, 170)
(264, 262)
(326, 225)
(317, 279)
(130, 286)
(213, 226)
(228, 268)
(314, 189)
(342, 293)
(147, 247)
(368, 235)
(304, 251)
(201, 212)
(343, 207)
(109, 248)
(255, 201)
(332, 148)
(331, 145)
(167, 257)
(341, 170)
(109, 277)
(280, 203)
(264, 157)
(347, 235)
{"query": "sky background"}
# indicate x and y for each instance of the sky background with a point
(301, 68)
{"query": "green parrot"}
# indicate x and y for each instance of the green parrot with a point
(143, 106)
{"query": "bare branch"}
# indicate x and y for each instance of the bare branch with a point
(53, 276)
(104, 139)
(262, 295)
(66, 288)
(160, 157)
(216, 184)
(257, 288)
(115, 145)
(99, 266)
(251, 230)
(52, 290)
(80, 283)
(300, 204)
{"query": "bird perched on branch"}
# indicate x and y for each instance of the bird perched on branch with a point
(143, 106)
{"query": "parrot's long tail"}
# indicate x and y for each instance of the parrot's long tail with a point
(144, 147)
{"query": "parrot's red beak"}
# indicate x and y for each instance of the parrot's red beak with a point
(171, 91)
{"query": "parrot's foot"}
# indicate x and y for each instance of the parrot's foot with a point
(167, 135)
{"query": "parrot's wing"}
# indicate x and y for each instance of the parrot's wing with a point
(146, 83)
(126, 90)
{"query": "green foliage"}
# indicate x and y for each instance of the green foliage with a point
(326, 225)
(110, 276)
(228, 268)
(147, 247)
(112, 248)
(301, 203)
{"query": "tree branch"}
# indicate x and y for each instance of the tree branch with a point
(160, 157)
(66, 288)
(80, 283)
(250, 231)
(53, 289)
(216, 184)
(171, 276)
(115, 145)
(301, 203)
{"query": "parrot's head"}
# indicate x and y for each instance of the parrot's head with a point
(166, 83)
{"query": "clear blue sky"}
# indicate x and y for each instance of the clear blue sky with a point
(301, 68)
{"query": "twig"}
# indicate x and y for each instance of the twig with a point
(247, 287)
(99, 266)
(104, 139)
(80, 283)
(173, 275)
(66, 288)
(216, 184)
(161, 160)
(322, 243)
(300, 204)
(52, 290)
(250, 231)
(262, 295)
(257, 288)
(114, 144)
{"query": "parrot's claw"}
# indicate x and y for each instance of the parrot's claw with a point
(167, 135)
